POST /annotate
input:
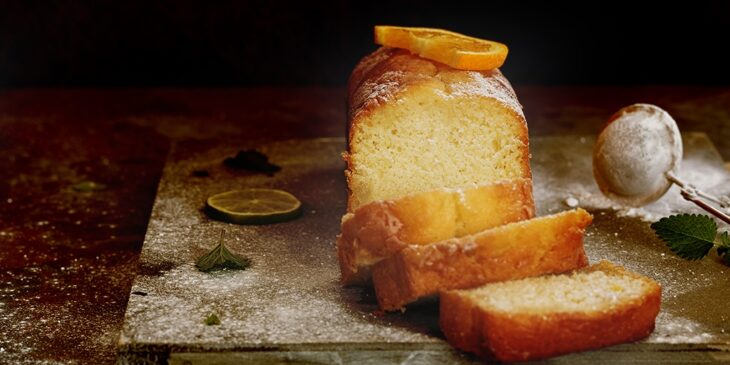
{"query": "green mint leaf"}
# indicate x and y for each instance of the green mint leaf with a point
(691, 236)
(221, 258)
(724, 247)
(252, 160)
(212, 320)
(88, 186)
(725, 240)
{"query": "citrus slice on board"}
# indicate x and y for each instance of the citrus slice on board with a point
(253, 206)
(454, 49)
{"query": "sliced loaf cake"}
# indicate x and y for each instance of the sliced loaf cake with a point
(549, 244)
(540, 317)
(379, 229)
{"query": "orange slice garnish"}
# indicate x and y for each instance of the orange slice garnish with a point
(454, 49)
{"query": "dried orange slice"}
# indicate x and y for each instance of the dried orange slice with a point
(454, 49)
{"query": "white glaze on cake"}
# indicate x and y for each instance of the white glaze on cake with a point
(381, 76)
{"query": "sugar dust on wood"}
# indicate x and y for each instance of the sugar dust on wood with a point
(220, 258)
(251, 160)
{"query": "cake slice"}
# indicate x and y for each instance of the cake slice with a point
(378, 230)
(416, 125)
(550, 244)
(540, 317)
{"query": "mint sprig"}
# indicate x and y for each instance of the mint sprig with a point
(692, 236)
(212, 320)
(221, 258)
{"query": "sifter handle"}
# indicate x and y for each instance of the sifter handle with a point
(691, 193)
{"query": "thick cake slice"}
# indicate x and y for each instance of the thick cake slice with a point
(550, 244)
(540, 317)
(416, 125)
(378, 230)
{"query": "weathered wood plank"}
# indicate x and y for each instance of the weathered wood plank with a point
(289, 306)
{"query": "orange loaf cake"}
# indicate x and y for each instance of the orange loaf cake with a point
(550, 244)
(540, 317)
(379, 229)
(416, 125)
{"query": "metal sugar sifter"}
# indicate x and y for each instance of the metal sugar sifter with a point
(637, 157)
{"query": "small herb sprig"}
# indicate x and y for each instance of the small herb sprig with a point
(221, 258)
(692, 236)
(88, 186)
(212, 320)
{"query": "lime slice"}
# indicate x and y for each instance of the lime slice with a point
(253, 206)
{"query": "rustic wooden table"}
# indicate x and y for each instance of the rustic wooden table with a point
(67, 258)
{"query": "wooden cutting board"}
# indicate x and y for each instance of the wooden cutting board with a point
(289, 307)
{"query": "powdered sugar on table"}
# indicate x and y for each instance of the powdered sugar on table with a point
(290, 298)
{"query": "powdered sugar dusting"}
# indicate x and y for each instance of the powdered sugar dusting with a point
(367, 64)
(566, 177)
(381, 76)
(379, 91)
(491, 84)
(291, 295)
(693, 292)
(635, 152)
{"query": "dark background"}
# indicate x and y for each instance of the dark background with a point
(245, 43)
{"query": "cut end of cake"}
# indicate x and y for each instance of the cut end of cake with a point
(419, 126)
(589, 291)
(378, 230)
(429, 142)
(540, 317)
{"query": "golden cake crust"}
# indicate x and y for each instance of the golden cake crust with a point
(388, 73)
(381, 76)
(532, 336)
(545, 245)
(380, 229)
